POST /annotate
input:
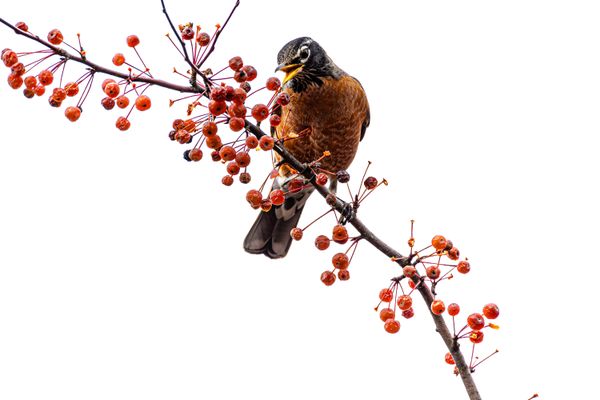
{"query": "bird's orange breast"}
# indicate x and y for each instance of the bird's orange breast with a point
(332, 115)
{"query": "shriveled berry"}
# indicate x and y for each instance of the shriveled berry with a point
(438, 242)
(54, 102)
(123, 123)
(133, 40)
(266, 143)
(245, 177)
(322, 242)
(142, 103)
(386, 295)
(273, 83)
(18, 69)
(186, 155)
(227, 180)
(491, 311)
(218, 93)
(340, 234)
(277, 197)
(236, 63)
(343, 176)
(331, 199)
(72, 113)
(453, 309)
(296, 233)
(55, 37)
(108, 103)
(340, 261)
(404, 302)
(392, 326)
(328, 278)
(387, 313)
(438, 307)
(245, 86)
(475, 321)
(215, 156)
(463, 267)
(118, 59)
(408, 313)
(29, 93)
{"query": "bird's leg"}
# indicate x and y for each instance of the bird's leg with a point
(333, 185)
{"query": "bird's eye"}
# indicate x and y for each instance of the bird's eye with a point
(304, 53)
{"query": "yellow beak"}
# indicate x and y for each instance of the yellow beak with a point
(290, 70)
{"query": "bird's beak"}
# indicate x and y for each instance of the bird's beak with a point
(290, 70)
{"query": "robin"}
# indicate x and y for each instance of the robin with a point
(328, 112)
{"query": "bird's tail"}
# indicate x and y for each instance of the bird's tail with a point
(270, 234)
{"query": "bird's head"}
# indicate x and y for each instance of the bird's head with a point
(304, 56)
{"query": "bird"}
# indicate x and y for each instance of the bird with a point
(328, 111)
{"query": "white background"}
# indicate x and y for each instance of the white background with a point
(122, 274)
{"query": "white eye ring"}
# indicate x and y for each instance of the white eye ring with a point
(304, 53)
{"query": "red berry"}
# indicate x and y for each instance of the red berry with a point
(22, 26)
(404, 302)
(438, 242)
(54, 102)
(55, 37)
(118, 59)
(491, 311)
(266, 143)
(107, 103)
(240, 76)
(218, 93)
(142, 103)
(387, 313)
(476, 337)
(30, 82)
(277, 197)
(266, 205)
(250, 72)
(321, 179)
(122, 101)
(106, 82)
(322, 242)
(133, 40)
(296, 233)
(438, 307)
(340, 261)
(9, 58)
(283, 99)
(453, 309)
(254, 197)
(463, 267)
(260, 112)
(237, 110)
(245, 177)
(275, 120)
(340, 234)
(203, 39)
(411, 284)
(72, 113)
(187, 33)
(273, 83)
(233, 168)
(227, 180)
(328, 278)
(195, 154)
(386, 295)
(123, 123)
(214, 142)
(236, 63)
(449, 359)
(409, 271)
(251, 142)
(18, 69)
(112, 89)
(15, 81)
(408, 313)
(475, 321)
(371, 183)
(29, 93)
(72, 89)
(392, 326)
(39, 90)
(239, 96)
(453, 254)
(242, 159)
(343, 274)
(433, 272)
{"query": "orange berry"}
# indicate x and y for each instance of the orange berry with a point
(133, 40)
(266, 143)
(438, 307)
(30, 82)
(491, 311)
(15, 81)
(209, 129)
(296, 233)
(387, 313)
(18, 69)
(408, 313)
(55, 37)
(227, 180)
(273, 83)
(239, 96)
(227, 153)
(439, 242)
(251, 142)
(122, 101)
(242, 159)
(203, 39)
(59, 94)
(106, 82)
(195, 154)
(433, 272)
(143, 103)
(45, 77)
(9, 58)
(453, 254)
(237, 110)
(392, 326)
(123, 123)
(183, 136)
(343, 274)
(39, 90)
(72, 113)
(463, 267)
(213, 142)
(449, 359)
(322, 242)
(277, 197)
(266, 205)
(340, 261)
(112, 89)
(340, 234)
(409, 271)
(254, 197)
(328, 278)
(386, 295)
(22, 26)
(250, 72)
(260, 112)
(475, 321)
(72, 88)
(476, 337)
(404, 302)
(217, 107)
(453, 309)
(232, 168)
(118, 59)
(236, 124)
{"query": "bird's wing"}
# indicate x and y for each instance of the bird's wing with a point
(367, 119)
